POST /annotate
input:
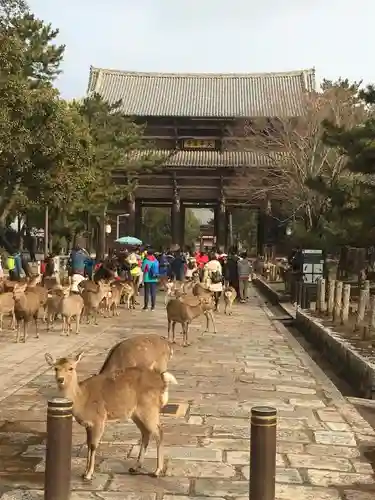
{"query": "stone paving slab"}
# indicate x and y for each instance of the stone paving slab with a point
(323, 443)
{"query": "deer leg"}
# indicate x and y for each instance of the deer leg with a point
(78, 318)
(152, 425)
(143, 446)
(13, 323)
(18, 330)
(158, 435)
(87, 310)
(210, 316)
(93, 440)
(185, 330)
(24, 330)
(206, 314)
(36, 325)
(1, 322)
(88, 442)
(169, 329)
(96, 316)
(173, 332)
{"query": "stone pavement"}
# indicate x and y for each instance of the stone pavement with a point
(322, 441)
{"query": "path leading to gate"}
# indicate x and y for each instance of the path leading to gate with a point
(322, 440)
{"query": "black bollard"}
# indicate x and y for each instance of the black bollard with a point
(262, 453)
(59, 449)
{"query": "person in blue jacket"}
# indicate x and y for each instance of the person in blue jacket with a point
(150, 268)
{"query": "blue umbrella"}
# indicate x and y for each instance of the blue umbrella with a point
(129, 240)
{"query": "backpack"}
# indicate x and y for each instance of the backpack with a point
(151, 272)
(216, 277)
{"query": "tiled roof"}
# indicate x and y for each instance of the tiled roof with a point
(204, 95)
(212, 159)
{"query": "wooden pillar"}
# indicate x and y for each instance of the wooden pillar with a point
(221, 238)
(216, 224)
(175, 215)
(229, 229)
(182, 225)
(138, 219)
(261, 232)
(131, 212)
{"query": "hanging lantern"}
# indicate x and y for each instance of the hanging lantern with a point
(108, 228)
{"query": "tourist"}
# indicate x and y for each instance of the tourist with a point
(163, 270)
(178, 266)
(77, 261)
(244, 273)
(191, 268)
(231, 271)
(11, 265)
(213, 278)
(202, 259)
(150, 268)
(135, 263)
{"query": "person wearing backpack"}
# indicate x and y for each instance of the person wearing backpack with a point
(150, 268)
(213, 278)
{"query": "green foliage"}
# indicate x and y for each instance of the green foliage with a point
(10, 9)
(53, 152)
(115, 140)
(244, 223)
(157, 227)
(43, 140)
(358, 142)
(353, 200)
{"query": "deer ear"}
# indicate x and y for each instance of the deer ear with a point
(49, 359)
(79, 357)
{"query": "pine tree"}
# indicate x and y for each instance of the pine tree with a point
(355, 202)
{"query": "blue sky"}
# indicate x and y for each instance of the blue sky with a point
(334, 36)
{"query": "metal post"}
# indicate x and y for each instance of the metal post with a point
(58, 450)
(263, 453)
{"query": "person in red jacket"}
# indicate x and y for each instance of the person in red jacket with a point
(202, 259)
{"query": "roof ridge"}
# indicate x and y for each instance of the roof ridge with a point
(201, 75)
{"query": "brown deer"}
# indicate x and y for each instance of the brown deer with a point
(135, 393)
(184, 310)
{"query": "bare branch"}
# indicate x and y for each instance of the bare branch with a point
(296, 153)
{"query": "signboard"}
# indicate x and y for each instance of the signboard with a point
(199, 144)
(313, 265)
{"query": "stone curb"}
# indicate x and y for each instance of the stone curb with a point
(358, 371)
(353, 366)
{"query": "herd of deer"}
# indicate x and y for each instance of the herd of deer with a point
(24, 299)
(133, 382)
